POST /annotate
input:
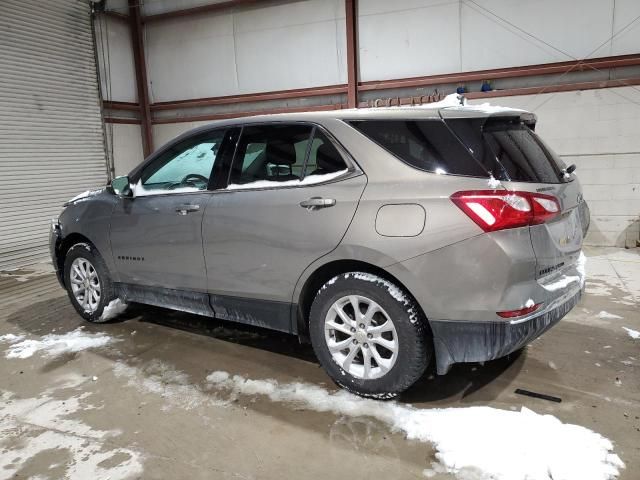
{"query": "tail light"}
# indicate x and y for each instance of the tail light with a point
(498, 210)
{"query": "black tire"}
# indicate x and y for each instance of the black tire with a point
(414, 348)
(107, 293)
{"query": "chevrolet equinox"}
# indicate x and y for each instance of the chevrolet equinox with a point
(386, 237)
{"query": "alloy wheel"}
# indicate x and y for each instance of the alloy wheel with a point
(361, 337)
(85, 284)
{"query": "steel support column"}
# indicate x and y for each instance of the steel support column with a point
(352, 52)
(135, 20)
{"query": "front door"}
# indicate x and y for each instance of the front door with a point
(156, 235)
(290, 200)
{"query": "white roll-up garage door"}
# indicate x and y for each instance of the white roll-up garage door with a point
(51, 135)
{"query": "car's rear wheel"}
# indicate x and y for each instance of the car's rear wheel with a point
(369, 335)
(88, 283)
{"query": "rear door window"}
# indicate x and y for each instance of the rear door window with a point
(424, 144)
(271, 153)
(324, 158)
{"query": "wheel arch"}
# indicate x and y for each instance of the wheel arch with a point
(64, 246)
(326, 272)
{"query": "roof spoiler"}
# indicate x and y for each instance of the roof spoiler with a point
(486, 111)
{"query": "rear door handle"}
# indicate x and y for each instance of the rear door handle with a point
(187, 208)
(315, 203)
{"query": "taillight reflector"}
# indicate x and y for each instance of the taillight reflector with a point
(521, 312)
(498, 210)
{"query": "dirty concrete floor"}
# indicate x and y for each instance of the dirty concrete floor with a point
(141, 406)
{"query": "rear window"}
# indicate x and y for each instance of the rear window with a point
(503, 147)
(509, 149)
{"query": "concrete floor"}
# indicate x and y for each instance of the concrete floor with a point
(140, 407)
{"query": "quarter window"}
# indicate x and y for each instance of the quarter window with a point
(425, 144)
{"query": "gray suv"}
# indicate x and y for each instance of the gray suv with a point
(386, 237)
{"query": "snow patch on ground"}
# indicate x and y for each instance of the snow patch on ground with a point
(53, 345)
(471, 442)
(610, 275)
(632, 333)
(604, 315)
(33, 426)
(11, 338)
(309, 180)
(115, 308)
(218, 376)
(162, 379)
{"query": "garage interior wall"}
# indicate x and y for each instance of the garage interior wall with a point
(51, 132)
(279, 45)
(118, 83)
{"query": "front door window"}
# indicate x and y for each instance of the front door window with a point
(185, 167)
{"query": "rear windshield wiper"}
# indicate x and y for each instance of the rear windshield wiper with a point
(566, 172)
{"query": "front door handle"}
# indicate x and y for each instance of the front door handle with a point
(315, 203)
(187, 208)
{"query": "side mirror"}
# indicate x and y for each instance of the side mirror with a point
(120, 186)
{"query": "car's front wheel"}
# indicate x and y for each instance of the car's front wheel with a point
(369, 335)
(88, 283)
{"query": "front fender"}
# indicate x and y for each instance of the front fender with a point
(89, 219)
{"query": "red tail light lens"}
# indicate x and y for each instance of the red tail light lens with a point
(498, 210)
(521, 312)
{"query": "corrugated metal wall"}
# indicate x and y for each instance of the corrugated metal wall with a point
(51, 133)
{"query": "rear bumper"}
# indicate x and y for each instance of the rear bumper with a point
(472, 341)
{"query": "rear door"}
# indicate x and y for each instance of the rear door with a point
(509, 148)
(279, 214)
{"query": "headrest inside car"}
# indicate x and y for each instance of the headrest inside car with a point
(280, 153)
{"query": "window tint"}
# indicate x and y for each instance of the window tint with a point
(509, 149)
(425, 144)
(324, 157)
(270, 153)
(184, 167)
